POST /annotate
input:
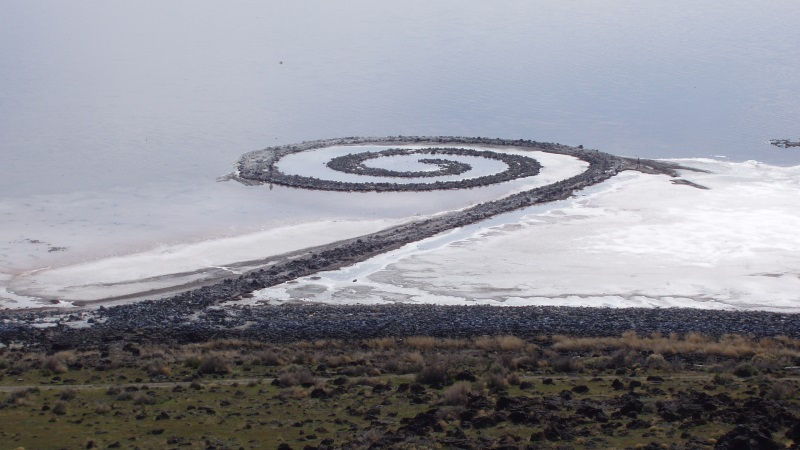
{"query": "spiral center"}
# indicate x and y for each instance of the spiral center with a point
(356, 163)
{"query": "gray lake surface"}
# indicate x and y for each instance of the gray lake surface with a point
(95, 94)
(116, 118)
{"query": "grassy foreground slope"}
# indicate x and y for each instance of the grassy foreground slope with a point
(420, 392)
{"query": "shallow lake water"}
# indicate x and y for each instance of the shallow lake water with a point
(117, 117)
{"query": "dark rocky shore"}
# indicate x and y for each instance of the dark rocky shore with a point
(170, 321)
(194, 315)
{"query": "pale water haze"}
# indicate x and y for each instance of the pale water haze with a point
(116, 118)
(96, 94)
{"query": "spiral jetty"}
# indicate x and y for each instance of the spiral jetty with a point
(193, 315)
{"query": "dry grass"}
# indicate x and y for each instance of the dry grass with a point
(430, 343)
(421, 342)
(413, 355)
(487, 343)
(295, 376)
(501, 343)
(381, 343)
(733, 346)
(268, 358)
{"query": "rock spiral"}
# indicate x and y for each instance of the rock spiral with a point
(438, 162)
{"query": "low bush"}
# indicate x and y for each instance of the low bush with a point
(60, 408)
(102, 408)
(745, 370)
(143, 399)
(159, 369)
(68, 394)
(296, 376)
(722, 379)
(213, 364)
(268, 358)
(54, 364)
(496, 381)
(457, 394)
(433, 375)
(566, 364)
(527, 362)
(657, 362)
(781, 390)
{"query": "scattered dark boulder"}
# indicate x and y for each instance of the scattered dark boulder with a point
(557, 431)
(319, 393)
(580, 389)
(636, 424)
(630, 405)
(793, 432)
(745, 437)
(465, 375)
(591, 412)
(422, 424)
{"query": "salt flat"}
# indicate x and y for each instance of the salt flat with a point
(635, 240)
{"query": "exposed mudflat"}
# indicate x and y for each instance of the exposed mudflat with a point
(636, 240)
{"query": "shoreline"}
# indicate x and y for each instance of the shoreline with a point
(309, 321)
(180, 312)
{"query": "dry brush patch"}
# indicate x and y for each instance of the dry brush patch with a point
(409, 356)
(735, 346)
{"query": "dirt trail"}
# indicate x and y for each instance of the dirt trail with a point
(268, 380)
